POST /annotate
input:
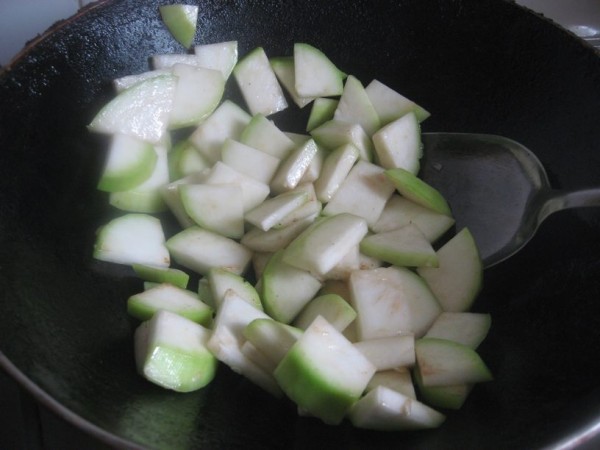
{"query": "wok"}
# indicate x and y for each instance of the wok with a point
(484, 66)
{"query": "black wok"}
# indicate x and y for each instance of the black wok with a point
(484, 66)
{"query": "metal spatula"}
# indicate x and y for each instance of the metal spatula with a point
(497, 188)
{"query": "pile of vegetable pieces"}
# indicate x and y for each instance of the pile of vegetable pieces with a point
(326, 274)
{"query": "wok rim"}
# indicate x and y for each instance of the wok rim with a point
(62, 411)
(56, 26)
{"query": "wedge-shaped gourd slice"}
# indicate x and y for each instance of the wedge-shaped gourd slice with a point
(273, 210)
(227, 339)
(331, 307)
(164, 296)
(258, 84)
(335, 133)
(398, 144)
(285, 289)
(159, 275)
(315, 74)
(415, 189)
(293, 167)
(171, 197)
(459, 276)
(391, 105)
(170, 351)
(129, 163)
(221, 56)
(336, 167)
(185, 159)
(388, 410)
(274, 339)
(398, 379)
(323, 373)
(235, 313)
(321, 111)
(400, 211)
(406, 246)
(389, 352)
(181, 21)
(466, 328)
(364, 192)
(275, 238)
(221, 280)
(448, 397)
(200, 250)
(446, 363)
(141, 111)
(133, 238)
(314, 168)
(283, 67)
(263, 134)
(391, 301)
(197, 95)
(249, 161)
(355, 107)
(253, 191)
(215, 207)
(227, 121)
(321, 246)
(125, 82)
(312, 207)
(146, 197)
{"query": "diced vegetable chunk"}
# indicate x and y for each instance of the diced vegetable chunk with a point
(385, 409)
(321, 246)
(445, 363)
(197, 95)
(221, 56)
(201, 250)
(130, 162)
(181, 21)
(459, 276)
(364, 192)
(315, 74)
(146, 304)
(417, 190)
(171, 352)
(259, 84)
(323, 373)
(133, 238)
(141, 111)
(390, 301)
(406, 246)
(157, 274)
(286, 289)
(466, 328)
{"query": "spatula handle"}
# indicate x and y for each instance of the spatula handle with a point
(570, 199)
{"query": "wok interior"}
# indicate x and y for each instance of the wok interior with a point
(479, 66)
